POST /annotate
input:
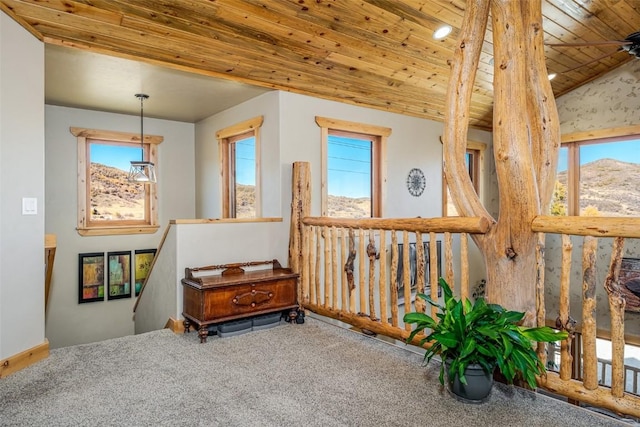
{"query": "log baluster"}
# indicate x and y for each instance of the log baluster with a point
(590, 358)
(344, 285)
(326, 240)
(382, 283)
(406, 275)
(349, 269)
(617, 305)
(464, 266)
(372, 254)
(433, 271)
(448, 258)
(361, 274)
(394, 278)
(565, 322)
(317, 266)
(419, 304)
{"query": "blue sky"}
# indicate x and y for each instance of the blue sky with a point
(625, 151)
(349, 164)
(117, 156)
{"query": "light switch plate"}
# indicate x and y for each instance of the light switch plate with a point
(29, 206)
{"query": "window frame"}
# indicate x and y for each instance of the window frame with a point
(573, 141)
(378, 136)
(477, 150)
(85, 227)
(226, 137)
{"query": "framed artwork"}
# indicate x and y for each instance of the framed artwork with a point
(119, 275)
(630, 283)
(413, 268)
(91, 277)
(142, 264)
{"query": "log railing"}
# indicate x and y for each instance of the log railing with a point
(594, 230)
(349, 267)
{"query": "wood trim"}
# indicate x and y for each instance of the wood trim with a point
(324, 173)
(118, 230)
(110, 135)
(224, 220)
(602, 134)
(240, 128)
(176, 326)
(6, 9)
(324, 122)
(49, 258)
(84, 226)
(24, 359)
(380, 182)
(258, 188)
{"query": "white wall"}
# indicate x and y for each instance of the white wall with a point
(21, 175)
(67, 321)
(208, 195)
(291, 134)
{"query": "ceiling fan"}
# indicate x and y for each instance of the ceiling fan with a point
(631, 45)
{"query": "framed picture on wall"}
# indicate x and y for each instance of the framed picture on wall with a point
(91, 277)
(143, 259)
(119, 275)
(413, 269)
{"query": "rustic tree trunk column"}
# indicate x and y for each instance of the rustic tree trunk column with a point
(525, 142)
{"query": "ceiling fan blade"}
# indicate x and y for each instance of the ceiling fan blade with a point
(582, 44)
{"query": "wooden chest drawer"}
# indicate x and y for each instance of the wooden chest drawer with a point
(235, 301)
(223, 297)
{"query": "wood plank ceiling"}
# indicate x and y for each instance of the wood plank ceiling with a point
(375, 53)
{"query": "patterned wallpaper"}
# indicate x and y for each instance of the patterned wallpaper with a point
(607, 102)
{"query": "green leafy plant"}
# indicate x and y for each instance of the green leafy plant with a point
(483, 334)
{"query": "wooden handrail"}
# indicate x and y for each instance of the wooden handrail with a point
(471, 225)
(50, 245)
(597, 226)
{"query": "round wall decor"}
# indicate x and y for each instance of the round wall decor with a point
(416, 182)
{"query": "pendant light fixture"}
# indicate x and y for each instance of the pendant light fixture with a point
(142, 171)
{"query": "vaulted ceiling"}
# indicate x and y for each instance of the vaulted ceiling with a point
(375, 53)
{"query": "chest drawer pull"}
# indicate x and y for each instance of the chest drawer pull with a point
(253, 298)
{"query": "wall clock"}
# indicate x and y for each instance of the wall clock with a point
(416, 182)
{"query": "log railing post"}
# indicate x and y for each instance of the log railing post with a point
(590, 380)
(617, 304)
(300, 207)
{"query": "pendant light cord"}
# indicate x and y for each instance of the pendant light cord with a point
(142, 97)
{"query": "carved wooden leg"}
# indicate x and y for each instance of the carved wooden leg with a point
(187, 325)
(203, 332)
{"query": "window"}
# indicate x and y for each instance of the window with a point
(353, 168)
(597, 174)
(107, 202)
(473, 160)
(239, 156)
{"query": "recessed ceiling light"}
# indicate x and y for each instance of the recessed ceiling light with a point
(442, 32)
(552, 76)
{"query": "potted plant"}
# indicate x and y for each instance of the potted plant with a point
(475, 339)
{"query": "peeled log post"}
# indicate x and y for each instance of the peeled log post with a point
(394, 278)
(382, 283)
(448, 259)
(334, 266)
(363, 296)
(617, 304)
(372, 253)
(344, 281)
(464, 267)
(590, 356)
(349, 269)
(300, 207)
(317, 266)
(327, 266)
(433, 271)
(406, 275)
(540, 309)
(564, 321)
(313, 292)
(419, 304)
